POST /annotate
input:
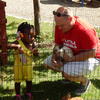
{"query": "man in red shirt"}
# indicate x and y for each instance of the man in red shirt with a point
(81, 38)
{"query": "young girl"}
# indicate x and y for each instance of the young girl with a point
(23, 59)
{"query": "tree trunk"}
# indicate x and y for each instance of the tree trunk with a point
(36, 16)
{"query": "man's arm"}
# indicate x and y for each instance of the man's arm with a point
(82, 56)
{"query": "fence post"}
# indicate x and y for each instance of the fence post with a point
(36, 16)
(3, 36)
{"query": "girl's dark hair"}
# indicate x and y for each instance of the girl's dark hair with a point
(32, 26)
(24, 27)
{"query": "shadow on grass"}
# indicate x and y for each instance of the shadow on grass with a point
(55, 90)
(11, 29)
(68, 3)
(49, 90)
(12, 25)
(96, 83)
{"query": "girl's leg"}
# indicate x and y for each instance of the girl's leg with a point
(29, 90)
(28, 86)
(17, 88)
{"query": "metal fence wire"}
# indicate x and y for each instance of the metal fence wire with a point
(48, 84)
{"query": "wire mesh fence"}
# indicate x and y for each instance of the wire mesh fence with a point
(49, 84)
(88, 15)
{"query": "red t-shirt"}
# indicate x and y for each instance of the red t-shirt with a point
(79, 38)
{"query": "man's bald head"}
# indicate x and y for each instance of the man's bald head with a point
(65, 10)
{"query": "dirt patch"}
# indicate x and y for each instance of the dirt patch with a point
(24, 9)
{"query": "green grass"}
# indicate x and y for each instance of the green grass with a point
(46, 83)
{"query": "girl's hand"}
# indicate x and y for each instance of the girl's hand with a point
(18, 38)
(20, 49)
(35, 52)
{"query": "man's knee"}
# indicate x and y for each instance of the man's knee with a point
(66, 75)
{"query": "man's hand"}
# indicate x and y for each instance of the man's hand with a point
(66, 58)
(57, 64)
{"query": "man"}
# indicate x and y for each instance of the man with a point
(76, 34)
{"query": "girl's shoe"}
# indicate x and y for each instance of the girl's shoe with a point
(18, 97)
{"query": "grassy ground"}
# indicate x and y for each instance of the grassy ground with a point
(47, 84)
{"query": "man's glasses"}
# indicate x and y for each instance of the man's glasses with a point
(59, 14)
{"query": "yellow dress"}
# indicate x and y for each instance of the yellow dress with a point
(23, 64)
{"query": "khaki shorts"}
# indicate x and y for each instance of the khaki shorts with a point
(80, 68)
(22, 73)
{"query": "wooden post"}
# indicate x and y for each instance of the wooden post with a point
(36, 16)
(3, 37)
